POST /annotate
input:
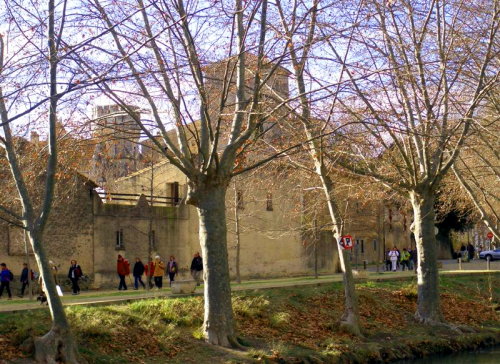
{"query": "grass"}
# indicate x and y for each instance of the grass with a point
(285, 324)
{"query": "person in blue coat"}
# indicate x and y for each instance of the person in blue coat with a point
(6, 277)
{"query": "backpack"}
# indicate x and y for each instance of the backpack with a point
(11, 276)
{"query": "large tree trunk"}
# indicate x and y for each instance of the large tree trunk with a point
(218, 325)
(428, 308)
(57, 346)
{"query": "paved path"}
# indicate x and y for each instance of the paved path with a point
(107, 297)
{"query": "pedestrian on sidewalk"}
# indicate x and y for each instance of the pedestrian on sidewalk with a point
(393, 256)
(123, 269)
(197, 268)
(24, 279)
(388, 263)
(149, 270)
(412, 257)
(55, 271)
(74, 274)
(405, 259)
(172, 269)
(470, 251)
(397, 261)
(6, 277)
(138, 272)
(159, 271)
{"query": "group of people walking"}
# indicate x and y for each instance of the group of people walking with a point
(466, 252)
(154, 271)
(28, 276)
(396, 259)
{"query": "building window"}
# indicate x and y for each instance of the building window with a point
(119, 239)
(362, 246)
(239, 200)
(174, 193)
(390, 219)
(374, 244)
(269, 202)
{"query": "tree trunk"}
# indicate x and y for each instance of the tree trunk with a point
(350, 319)
(428, 307)
(57, 346)
(218, 325)
(237, 234)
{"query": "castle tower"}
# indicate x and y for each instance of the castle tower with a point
(275, 90)
(116, 152)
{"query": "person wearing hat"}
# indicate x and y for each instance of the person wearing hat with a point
(159, 271)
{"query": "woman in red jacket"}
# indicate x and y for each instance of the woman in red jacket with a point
(123, 269)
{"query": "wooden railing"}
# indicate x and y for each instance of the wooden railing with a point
(132, 198)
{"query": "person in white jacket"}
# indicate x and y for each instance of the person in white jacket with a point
(394, 256)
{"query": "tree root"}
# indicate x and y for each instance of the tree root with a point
(350, 324)
(350, 328)
(438, 323)
(55, 348)
(235, 343)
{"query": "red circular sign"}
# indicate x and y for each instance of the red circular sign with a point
(346, 241)
(489, 235)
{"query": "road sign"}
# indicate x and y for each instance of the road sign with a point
(489, 235)
(346, 241)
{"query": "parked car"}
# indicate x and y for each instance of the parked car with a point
(493, 254)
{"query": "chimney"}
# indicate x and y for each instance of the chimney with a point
(35, 138)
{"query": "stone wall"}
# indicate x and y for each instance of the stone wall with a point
(68, 234)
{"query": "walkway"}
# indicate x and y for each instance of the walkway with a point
(112, 296)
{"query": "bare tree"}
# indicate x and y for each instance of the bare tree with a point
(216, 110)
(476, 168)
(418, 72)
(34, 80)
(299, 24)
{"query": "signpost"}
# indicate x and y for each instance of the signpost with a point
(346, 241)
(490, 238)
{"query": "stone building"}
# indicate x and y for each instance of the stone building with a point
(94, 227)
(143, 212)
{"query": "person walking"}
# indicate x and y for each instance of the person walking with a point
(149, 271)
(138, 272)
(6, 277)
(393, 256)
(74, 274)
(123, 269)
(388, 263)
(463, 249)
(412, 254)
(397, 261)
(24, 279)
(470, 251)
(172, 269)
(55, 271)
(159, 271)
(197, 268)
(405, 259)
